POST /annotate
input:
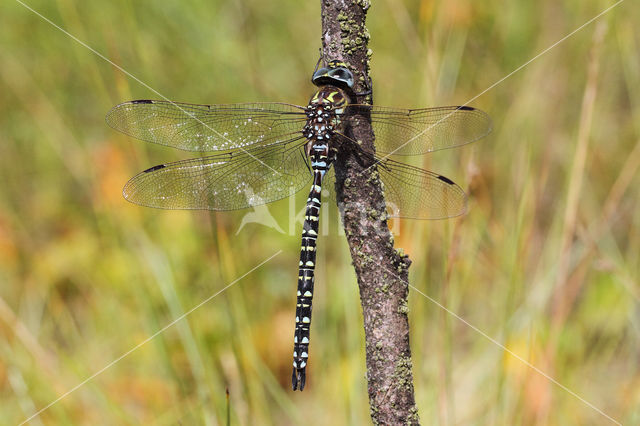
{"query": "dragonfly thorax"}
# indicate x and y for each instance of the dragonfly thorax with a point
(323, 113)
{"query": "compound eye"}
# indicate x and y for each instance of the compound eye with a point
(340, 73)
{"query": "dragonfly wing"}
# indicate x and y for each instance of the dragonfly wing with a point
(205, 128)
(226, 181)
(418, 131)
(411, 192)
(414, 193)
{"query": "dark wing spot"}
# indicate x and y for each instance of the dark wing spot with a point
(446, 180)
(466, 108)
(154, 168)
(142, 101)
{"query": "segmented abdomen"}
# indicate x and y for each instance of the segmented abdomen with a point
(320, 165)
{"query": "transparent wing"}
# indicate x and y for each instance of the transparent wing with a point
(418, 131)
(205, 128)
(226, 181)
(414, 193)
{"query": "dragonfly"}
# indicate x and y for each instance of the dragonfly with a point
(263, 152)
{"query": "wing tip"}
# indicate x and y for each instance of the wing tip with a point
(482, 113)
(115, 110)
(109, 117)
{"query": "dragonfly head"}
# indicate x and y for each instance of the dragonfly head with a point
(335, 73)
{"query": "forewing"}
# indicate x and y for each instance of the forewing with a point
(418, 131)
(224, 181)
(205, 128)
(414, 193)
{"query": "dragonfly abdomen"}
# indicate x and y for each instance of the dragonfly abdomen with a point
(305, 282)
(320, 163)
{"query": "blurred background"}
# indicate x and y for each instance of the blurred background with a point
(545, 262)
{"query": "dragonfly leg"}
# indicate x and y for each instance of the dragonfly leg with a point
(369, 86)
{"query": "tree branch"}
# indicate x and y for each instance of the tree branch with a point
(382, 271)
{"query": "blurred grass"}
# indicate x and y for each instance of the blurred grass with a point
(547, 267)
